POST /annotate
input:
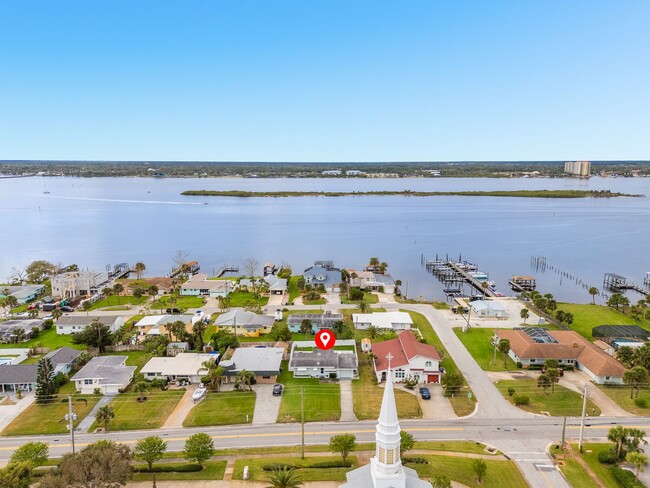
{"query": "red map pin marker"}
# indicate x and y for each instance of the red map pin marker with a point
(325, 339)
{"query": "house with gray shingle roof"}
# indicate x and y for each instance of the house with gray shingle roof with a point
(109, 374)
(18, 376)
(63, 359)
(307, 361)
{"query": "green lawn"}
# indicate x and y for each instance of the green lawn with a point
(150, 414)
(500, 473)
(48, 338)
(121, 300)
(212, 470)
(369, 298)
(462, 404)
(453, 446)
(49, 419)
(305, 474)
(573, 470)
(294, 290)
(367, 396)
(479, 344)
(322, 400)
(240, 299)
(223, 408)
(590, 455)
(563, 402)
(182, 302)
(621, 395)
(587, 316)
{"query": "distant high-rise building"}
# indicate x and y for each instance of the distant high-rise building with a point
(578, 168)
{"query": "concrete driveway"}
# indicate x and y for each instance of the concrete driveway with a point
(266, 405)
(438, 407)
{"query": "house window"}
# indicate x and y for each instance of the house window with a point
(428, 364)
(88, 382)
(400, 374)
(607, 377)
(266, 377)
(532, 360)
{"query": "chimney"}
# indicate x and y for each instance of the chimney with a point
(574, 345)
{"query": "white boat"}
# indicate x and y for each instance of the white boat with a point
(199, 393)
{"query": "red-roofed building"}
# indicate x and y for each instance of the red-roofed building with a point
(410, 359)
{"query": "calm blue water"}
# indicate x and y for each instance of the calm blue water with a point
(96, 221)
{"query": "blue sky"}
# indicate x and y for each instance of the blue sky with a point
(324, 80)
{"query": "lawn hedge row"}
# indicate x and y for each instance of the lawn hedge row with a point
(322, 464)
(169, 468)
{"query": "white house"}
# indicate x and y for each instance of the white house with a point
(383, 320)
(307, 361)
(200, 285)
(185, 366)
(264, 362)
(107, 373)
(78, 283)
(277, 286)
(71, 324)
(409, 359)
(488, 308)
(368, 280)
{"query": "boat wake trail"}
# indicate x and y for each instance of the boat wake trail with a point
(151, 202)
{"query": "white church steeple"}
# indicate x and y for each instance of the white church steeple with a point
(387, 468)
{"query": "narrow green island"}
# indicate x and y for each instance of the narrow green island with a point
(410, 193)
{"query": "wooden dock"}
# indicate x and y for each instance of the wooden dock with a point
(191, 267)
(619, 283)
(471, 280)
(226, 268)
(522, 283)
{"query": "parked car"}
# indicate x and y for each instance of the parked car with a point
(277, 390)
(172, 310)
(425, 393)
(67, 308)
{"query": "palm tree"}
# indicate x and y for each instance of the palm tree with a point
(176, 329)
(107, 293)
(139, 269)
(383, 267)
(284, 478)
(484, 286)
(374, 262)
(10, 302)
(363, 307)
(372, 331)
(593, 291)
(33, 313)
(524, 314)
(617, 435)
(140, 387)
(504, 348)
(117, 289)
(56, 314)
(104, 415)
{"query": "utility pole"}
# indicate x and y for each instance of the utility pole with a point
(70, 417)
(302, 419)
(582, 420)
(563, 432)
(496, 334)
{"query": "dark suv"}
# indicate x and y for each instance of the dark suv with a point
(277, 390)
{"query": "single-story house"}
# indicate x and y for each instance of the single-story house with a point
(163, 283)
(185, 366)
(263, 361)
(174, 348)
(409, 358)
(308, 361)
(14, 377)
(107, 373)
(383, 320)
(200, 285)
(9, 329)
(277, 286)
(157, 324)
(488, 308)
(323, 273)
(71, 324)
(318, 321)
(63, 359)
(532, 346)
(23, 293)
(245, 323)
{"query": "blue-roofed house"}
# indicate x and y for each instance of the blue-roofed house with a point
(323, 273)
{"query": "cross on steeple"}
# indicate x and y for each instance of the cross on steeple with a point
(389, 357)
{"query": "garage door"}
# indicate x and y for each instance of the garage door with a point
(433, 378)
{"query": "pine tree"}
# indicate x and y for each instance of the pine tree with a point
(45, 387)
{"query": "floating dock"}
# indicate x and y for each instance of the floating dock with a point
(451, 273)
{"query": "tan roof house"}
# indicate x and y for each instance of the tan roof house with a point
(531, 346)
